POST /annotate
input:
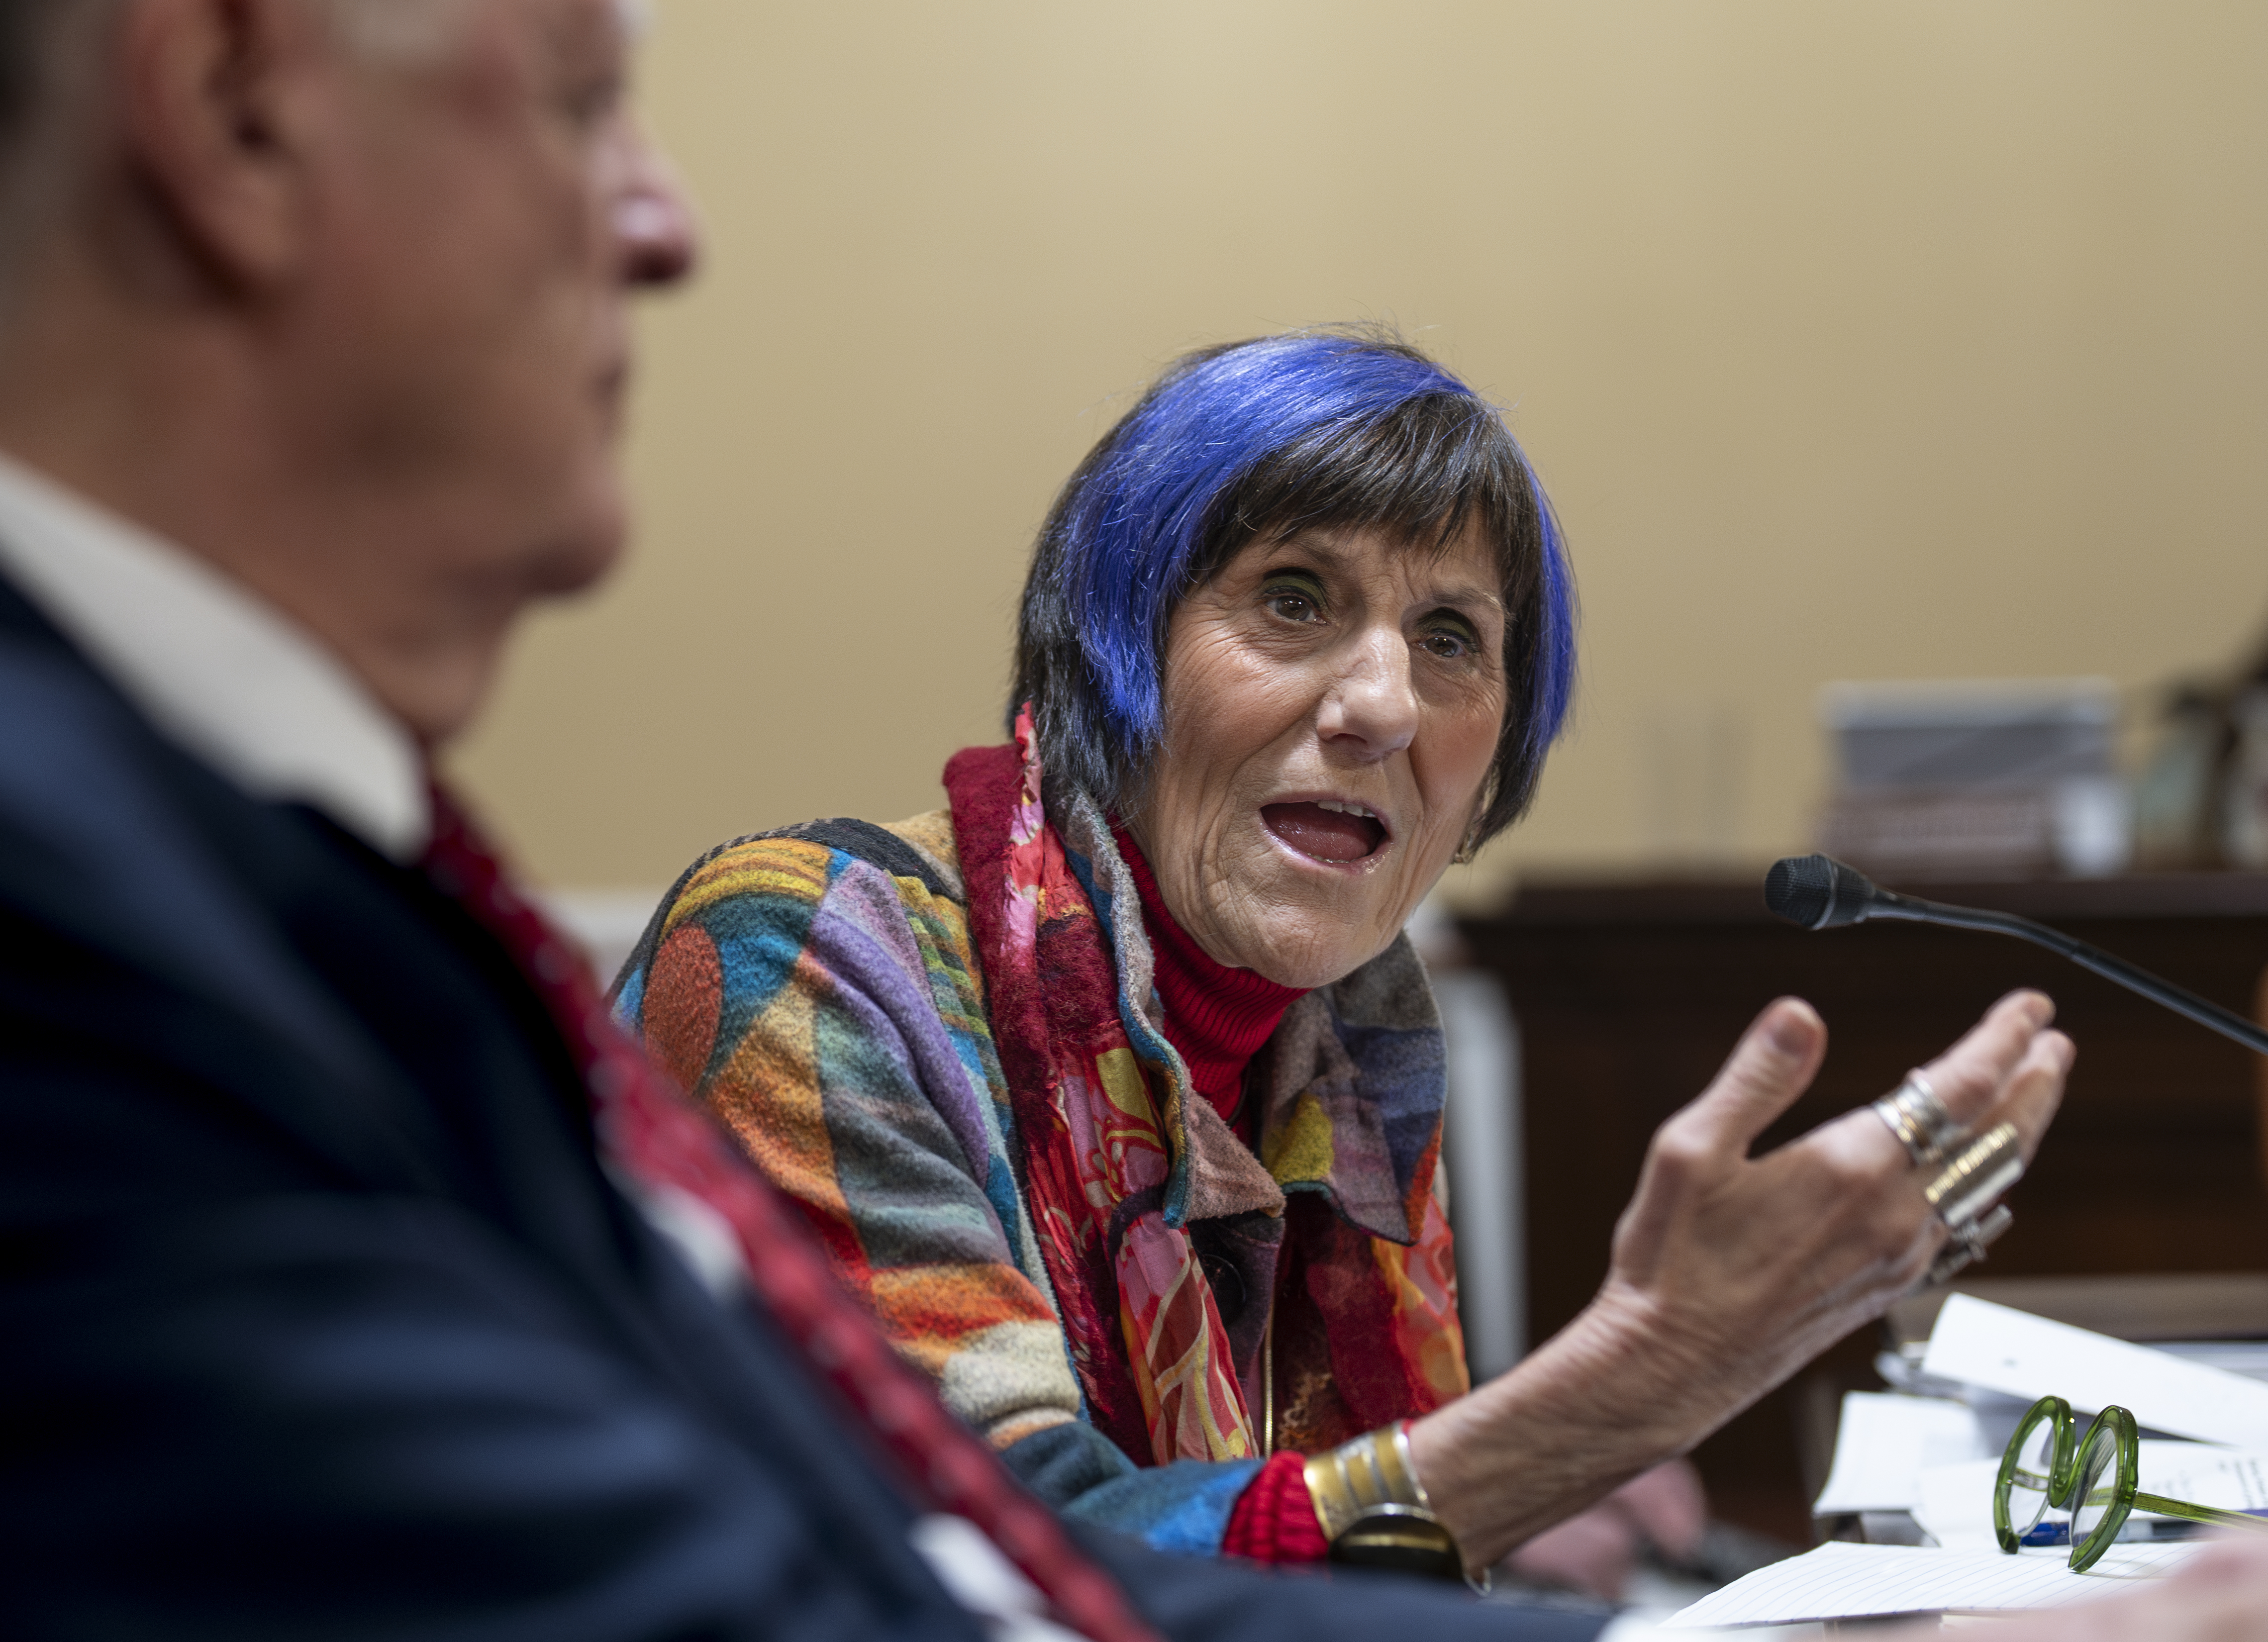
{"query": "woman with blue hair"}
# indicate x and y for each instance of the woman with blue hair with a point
(1114, 1087)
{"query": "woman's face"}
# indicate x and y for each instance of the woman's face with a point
(1331, 706)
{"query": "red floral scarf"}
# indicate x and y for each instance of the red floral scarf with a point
(1365, 1329)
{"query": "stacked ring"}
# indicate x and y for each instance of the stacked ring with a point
(1915, 1115)
(1961, 1192)
(1979, 1174)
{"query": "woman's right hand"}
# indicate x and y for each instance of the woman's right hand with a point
(1728, 1273)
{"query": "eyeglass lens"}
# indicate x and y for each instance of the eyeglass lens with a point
(2027, 1480)
(2096, 1491)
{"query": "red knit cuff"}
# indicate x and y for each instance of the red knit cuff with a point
(1275, 1517)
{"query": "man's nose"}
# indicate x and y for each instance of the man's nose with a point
(653, 222)
(1373, 700)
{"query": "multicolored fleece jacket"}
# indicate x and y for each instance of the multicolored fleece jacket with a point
(817, 989)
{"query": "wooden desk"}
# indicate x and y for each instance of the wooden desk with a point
(1630, 994)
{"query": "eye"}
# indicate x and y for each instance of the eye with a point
(1293, 598)
(1451, 641)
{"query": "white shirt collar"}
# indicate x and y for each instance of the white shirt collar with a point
(216, 666)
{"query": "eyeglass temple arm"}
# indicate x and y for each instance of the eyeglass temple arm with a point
(1913, 910)
(2166, 1507)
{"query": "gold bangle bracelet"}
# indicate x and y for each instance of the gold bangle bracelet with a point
(1375, 1511)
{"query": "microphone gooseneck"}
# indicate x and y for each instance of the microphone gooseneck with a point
(1819, 892)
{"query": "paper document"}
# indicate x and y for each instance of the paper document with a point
(1884, 1442)
(2023, 1356)
(1844, 1581)
(2200, 1475)
(1956, 1504)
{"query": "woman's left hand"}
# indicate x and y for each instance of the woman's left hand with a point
(1747, 1268)
(1729, 1272)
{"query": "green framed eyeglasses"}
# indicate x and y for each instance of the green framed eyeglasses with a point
(2093, 1477)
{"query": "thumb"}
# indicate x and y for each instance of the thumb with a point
(1772, 1065)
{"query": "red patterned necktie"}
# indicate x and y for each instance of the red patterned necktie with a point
(663, 1140)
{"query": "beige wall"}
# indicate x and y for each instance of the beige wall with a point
(1873, 338)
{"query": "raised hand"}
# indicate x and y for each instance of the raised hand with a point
(1752, 1266)
(1728, 1273)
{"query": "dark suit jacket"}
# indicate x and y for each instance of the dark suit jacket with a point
(318, 1317)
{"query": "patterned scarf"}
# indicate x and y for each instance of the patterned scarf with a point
(1120, 1162)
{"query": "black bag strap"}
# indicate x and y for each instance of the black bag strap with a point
(863, 840)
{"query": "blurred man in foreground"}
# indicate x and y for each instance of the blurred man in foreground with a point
(328, 1309)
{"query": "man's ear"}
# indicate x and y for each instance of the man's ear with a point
(209, 90)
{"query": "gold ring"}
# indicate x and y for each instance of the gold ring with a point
(1988, 1166)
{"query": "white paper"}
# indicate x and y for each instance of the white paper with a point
(1845, 1581)
(1956, 1505)
(2020, 1355)
(2197, 1474)
(1883, 1443)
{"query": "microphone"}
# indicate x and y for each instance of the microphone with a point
(1819, 892)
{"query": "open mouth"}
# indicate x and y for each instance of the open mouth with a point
(1331, 830)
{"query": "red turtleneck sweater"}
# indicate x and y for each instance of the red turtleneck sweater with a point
(1216, 1016)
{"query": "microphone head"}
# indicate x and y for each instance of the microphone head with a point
(1817, 892)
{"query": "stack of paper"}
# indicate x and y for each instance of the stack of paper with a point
(2022, 1356)
(1937, 1458)
(1884, 1444)
(1889, 1443)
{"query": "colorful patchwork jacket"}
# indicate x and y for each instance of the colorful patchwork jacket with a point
(940, 1038)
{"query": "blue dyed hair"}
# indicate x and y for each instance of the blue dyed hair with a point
(1340, 429)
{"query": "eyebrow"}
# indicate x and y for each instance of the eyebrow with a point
(1470, 594)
